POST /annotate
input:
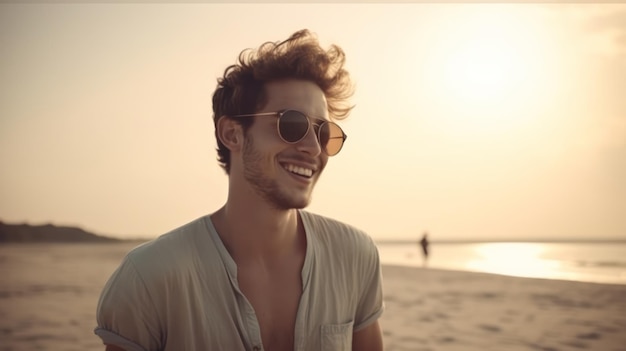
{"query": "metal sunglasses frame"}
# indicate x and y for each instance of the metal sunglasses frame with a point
(309, 119)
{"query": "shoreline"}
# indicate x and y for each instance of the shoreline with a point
(599, 263)
(393, 266)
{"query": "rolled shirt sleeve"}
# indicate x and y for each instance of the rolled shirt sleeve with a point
(126, 314)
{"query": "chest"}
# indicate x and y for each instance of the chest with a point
(275, 297)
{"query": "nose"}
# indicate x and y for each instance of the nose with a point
(310, 143)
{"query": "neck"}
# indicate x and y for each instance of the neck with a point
(251, 231)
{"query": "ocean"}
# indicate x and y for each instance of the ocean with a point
(585, 262)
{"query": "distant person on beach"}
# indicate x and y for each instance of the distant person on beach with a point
(260, 273)
(424, 244)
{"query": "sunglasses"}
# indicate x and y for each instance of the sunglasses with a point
(294, 125)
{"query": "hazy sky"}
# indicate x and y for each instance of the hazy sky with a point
(471, 121)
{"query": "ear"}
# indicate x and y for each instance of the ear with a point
(230, 133)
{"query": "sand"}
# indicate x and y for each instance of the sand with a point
(48, 297)
(428, 309)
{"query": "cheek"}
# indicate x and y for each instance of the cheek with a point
(269, 142)
(261, 140)
(263, 153)
(323, 163)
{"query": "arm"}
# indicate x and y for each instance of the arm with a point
(125, 314)
(368, 339)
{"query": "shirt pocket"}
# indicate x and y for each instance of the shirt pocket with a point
(337, 337)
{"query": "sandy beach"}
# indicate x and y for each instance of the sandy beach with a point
(433, 310)
(48, 295)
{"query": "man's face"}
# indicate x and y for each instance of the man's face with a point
(281, 173)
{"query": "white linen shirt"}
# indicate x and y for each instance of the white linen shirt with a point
(180, 292)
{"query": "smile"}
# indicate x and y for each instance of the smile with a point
(301, 171)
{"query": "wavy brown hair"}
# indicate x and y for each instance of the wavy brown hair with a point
(241, 89)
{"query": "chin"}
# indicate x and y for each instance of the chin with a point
(298, 205)
(302, 204)
(289, 203)
(301, 201)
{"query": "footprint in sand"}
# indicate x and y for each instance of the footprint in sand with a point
(446, 339)
(490, 328)
(575, 343)
(589, 336)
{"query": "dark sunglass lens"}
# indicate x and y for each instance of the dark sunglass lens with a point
(331, 138)
(293, 126)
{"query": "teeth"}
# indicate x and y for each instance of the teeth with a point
(299, 170)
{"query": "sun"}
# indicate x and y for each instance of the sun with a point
(483, 69)
(486, 68)
(489, 54)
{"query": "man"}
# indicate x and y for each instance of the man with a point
(260, 273)
(424, 244)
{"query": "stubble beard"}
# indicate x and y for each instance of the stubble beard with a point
(266, 187)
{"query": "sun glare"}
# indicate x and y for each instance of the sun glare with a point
(518, 259)
(482, 70)
(487, 66)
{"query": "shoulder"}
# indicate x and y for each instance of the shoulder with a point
(171, 250)
(335, 234)
(346, 256)
(327, 225)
